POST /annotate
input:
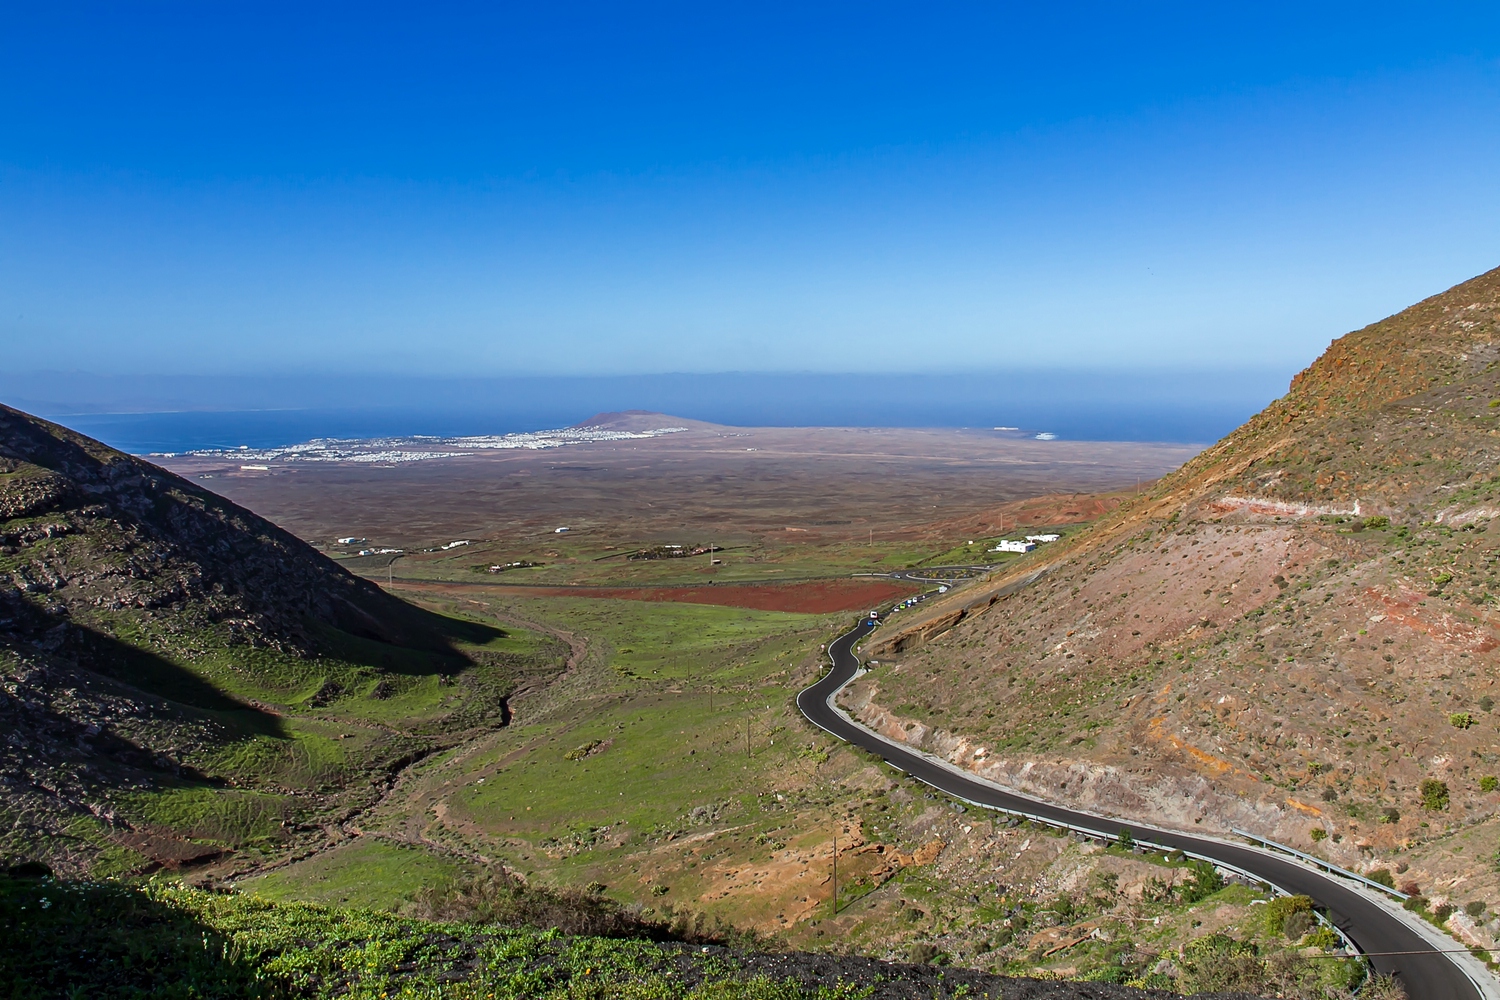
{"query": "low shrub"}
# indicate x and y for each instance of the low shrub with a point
(1322, 937)
(1205, 881)
(1219, 963)
(1434, 794)
(1281, 909)
(1298, 924)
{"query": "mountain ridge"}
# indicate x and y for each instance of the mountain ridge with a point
(1294, 634)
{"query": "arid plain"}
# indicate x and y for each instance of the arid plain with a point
(804, 495)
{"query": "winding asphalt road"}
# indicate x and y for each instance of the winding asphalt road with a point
(1370, 925)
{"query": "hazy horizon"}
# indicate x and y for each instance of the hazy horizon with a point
(167, 414)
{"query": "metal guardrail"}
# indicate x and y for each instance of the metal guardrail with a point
(1319, 862)
(1098, 835)
(1350, 948)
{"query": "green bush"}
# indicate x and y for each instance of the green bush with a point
(1282, 908)
(1299, 924)
(1219, 963)
(1383, 876)
(1379, 521)
(1323, 937)
(1153, 981)
(1317, 833)
(1475, 908)
(1434, 794)
(1106, 974)
(1460, 720)
(1205, 881)
(1443, 912)
(1489, 783)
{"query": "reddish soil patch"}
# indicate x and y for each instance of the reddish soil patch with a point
(810, 597)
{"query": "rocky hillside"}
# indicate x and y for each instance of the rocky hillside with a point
(173, 665)
(1295, 634)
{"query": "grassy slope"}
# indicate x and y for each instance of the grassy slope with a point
(158, 644)
(164, 941)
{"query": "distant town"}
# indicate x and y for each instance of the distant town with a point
(418, 448)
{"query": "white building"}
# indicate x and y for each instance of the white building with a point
(1006, 545)
(1042, 538)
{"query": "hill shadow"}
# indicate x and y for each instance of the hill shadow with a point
(90, 649)
(426, 642)
(106, 939)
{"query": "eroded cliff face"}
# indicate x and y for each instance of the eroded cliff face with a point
(1291, 635)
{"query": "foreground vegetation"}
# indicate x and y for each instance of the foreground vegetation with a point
(491, 939)
(109, 939)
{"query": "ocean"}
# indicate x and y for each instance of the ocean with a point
(1185, 407)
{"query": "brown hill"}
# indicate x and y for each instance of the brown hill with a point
(161, 646)
(636, 421)
(1295, 633)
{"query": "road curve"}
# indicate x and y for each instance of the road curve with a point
(1372, 927)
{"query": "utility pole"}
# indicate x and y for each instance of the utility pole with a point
(835, 872)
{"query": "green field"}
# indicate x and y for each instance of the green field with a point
(367, 872)
(678, 708)
(581, 559)
(302, 739)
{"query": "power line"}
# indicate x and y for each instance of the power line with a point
(1428, 951)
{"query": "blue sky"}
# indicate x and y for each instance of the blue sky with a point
(555, 189)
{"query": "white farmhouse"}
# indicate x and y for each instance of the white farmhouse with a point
(1006, 545)
(1042, 538)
